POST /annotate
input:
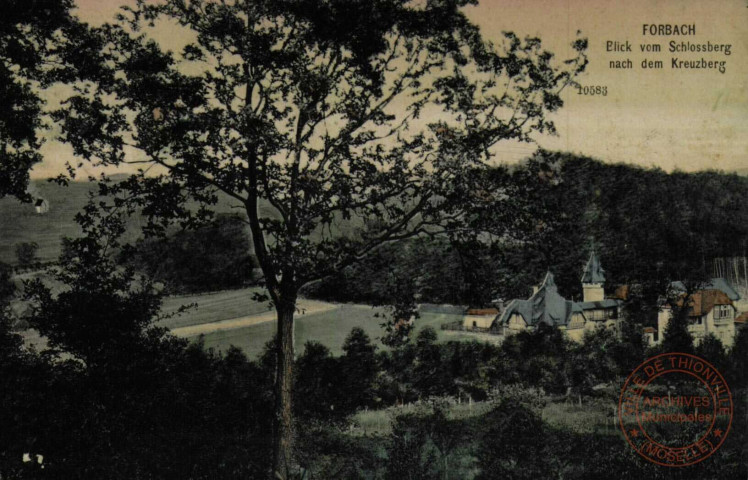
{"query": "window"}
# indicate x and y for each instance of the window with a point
(722, 312)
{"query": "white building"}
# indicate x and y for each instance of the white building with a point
(41, 206)
(712, 309)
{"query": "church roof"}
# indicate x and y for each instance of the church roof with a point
(593, 271)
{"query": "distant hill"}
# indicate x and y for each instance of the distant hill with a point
(19, 222)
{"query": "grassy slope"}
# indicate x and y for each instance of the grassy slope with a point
(212, 307)
(20, 223)
(329, 328)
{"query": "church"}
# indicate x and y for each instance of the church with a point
(547, 306)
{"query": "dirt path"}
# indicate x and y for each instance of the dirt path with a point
(306, 307)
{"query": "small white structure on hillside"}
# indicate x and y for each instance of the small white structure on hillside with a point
(41, 206)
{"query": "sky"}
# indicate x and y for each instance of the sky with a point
(673, 119)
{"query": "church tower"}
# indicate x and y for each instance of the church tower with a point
(593, 280)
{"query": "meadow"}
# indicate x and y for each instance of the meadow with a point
(593, 416)
(211, 307)
(329, 328)
(21, 223)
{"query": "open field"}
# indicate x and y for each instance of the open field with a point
(306, 307)
(212, 307)
(19, 222)
(329, 327)
(233, 317)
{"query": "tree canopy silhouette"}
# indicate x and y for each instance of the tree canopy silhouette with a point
(351, 119)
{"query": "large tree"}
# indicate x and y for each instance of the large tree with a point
(42, 45)
(337, 125)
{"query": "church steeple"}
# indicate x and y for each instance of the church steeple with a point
(593, 279)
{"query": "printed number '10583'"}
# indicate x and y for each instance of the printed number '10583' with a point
(593, 90)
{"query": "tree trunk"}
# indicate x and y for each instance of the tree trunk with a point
(284, 432)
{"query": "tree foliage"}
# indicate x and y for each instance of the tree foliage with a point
(320, 109)
(213, 256)
(43, 45)
(114, 396)
(26, 253)
(547, 213)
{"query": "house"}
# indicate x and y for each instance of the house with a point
(41, 206)
(711, 310)
(649, 335)
(479, 318)
(547, 306)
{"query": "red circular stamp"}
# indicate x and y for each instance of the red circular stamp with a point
(675, 409)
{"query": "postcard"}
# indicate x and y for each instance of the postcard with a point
(373, 239)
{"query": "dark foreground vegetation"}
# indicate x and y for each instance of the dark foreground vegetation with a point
(172, 410)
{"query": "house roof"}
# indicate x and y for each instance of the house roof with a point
(593, 271)
(714, 284)
(724, 285)
(548, 306)
(39, 202)
(622, 292)
(482, 311)
(649, 330)
(607, 303)
(703, 301)
(545, 305)
(742, 318)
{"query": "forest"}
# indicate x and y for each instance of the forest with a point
(649, 228)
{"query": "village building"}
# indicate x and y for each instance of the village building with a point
(479, 319)
(547, 306)
(712, 310)
(41, 206)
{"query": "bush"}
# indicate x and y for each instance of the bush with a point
(410, 454)
(26, 253)
(513, 445)
(213, 257)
